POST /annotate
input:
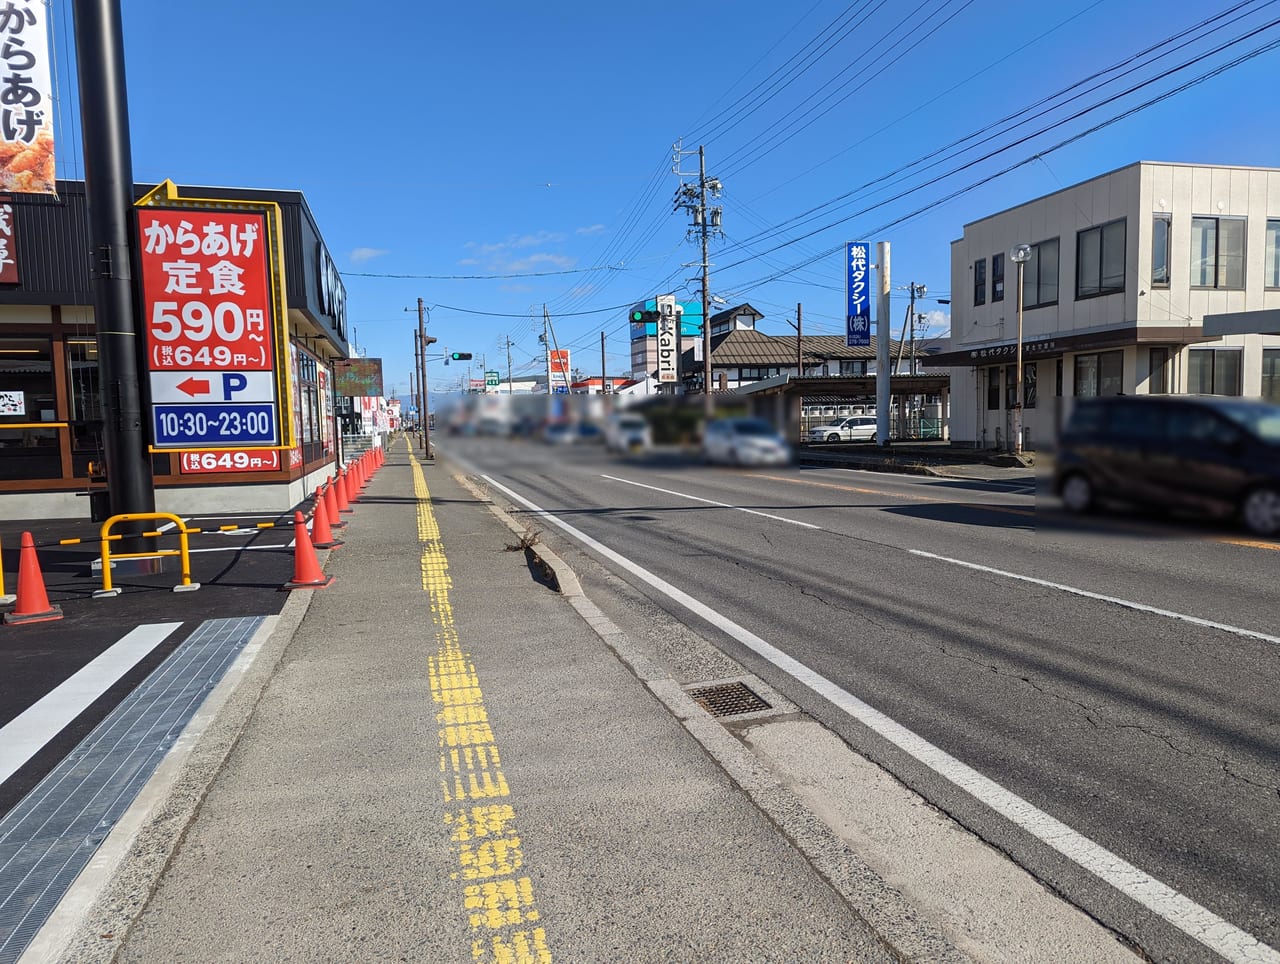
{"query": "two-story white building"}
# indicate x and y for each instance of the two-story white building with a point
(1123, 270)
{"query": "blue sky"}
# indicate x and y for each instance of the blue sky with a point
(515, 139)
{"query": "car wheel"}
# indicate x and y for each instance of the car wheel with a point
(1077, 493)
(1260, 511)
(833, 437)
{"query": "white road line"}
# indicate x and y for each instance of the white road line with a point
(1115, 600)
(23, 736)
(1198, 922)
(723, 505)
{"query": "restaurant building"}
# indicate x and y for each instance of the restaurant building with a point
(51, 397)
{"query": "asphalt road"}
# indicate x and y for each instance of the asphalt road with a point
(1145, 721)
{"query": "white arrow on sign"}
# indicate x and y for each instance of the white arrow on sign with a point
(212, 387)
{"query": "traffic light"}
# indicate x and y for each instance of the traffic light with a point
(640, 316)
(460, 355)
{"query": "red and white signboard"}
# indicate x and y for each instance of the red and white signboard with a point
(26, 99)
(210, 328)
(229, 460)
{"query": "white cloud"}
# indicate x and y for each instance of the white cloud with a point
(540, 262)
(361, 255)
(593, 229)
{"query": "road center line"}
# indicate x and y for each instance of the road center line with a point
(723, 505)
(24, 736)
(1116, 600)
(1176, 908)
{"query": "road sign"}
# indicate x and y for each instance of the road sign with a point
(491, 379)
(211, 328)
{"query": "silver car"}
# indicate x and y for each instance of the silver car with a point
(855, 428)
(744, 441)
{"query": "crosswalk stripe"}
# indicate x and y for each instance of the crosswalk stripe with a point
(24, 736)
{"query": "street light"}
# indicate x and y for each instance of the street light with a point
(1020, 254)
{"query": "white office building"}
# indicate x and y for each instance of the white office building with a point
(1122, 271)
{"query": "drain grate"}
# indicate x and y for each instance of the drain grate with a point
(728, 699)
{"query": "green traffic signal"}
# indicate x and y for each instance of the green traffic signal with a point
(460, 355)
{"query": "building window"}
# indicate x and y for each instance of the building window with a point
(1040, 276)
(980, 281)
(1271, 374)
(1099, 374)
(27, 399)
(997, 277)
(1214, 371)
(1271, 266)
(1161, 230)
(852, 366)
(1057, 378)
(993, 389)
(1158, 380)
(1217, 252)
(756, 374)
(1100, 260)
(1030, 375)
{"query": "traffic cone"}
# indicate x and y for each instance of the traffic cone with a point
(331, 505)
(355, 480)
(306, 567)
(32, 605)
(344, 493)
(321, 535)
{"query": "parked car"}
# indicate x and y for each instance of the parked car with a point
(627, 433)
(744, 441)
(1199, 453)
(855, 428)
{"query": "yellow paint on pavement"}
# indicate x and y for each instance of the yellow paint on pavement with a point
(498, 902)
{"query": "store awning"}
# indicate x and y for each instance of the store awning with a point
(1263, 322)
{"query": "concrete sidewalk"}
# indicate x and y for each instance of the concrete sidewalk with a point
(441, 757)
(581, 822)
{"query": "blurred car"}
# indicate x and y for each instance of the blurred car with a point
(1207, 454)
(627, 433)
(559, 433)
(855, 428)
(744, 441)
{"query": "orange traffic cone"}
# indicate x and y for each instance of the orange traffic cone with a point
(306, 567)
(321, 534)
(33, 602)
(331, 505)
(355, 482)
(344, 493)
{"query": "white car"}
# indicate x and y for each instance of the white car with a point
(744, 441)
(627, 433)
(855, 428)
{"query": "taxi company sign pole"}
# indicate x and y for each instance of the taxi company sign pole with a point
(104, 121)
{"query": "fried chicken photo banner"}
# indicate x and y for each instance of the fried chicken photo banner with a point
(26, 107)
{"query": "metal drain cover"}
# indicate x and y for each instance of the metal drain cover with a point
(728, 699)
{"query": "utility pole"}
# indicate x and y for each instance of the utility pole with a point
(108, 162)
(546, 345)
(604, 368)
(706, 222)
(424, 340)
(510, 387)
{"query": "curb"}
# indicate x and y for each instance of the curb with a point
(886, 912)
(92, 921)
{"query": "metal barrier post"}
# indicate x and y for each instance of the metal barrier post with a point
(183, 550)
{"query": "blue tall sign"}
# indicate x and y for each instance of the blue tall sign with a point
(858, 270)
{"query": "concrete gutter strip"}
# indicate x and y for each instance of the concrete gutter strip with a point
(93, 919)
(905, 935)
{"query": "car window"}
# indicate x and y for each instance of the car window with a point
(753, 426)
(1202, 427)
(1138, 421)
(1086, 420)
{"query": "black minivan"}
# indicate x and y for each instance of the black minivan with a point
(1199, 453)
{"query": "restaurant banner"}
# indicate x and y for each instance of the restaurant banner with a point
(26, 103)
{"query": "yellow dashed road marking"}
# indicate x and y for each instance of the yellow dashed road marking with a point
(498, 903)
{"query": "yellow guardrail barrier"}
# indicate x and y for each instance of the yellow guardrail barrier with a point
(106, 538)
